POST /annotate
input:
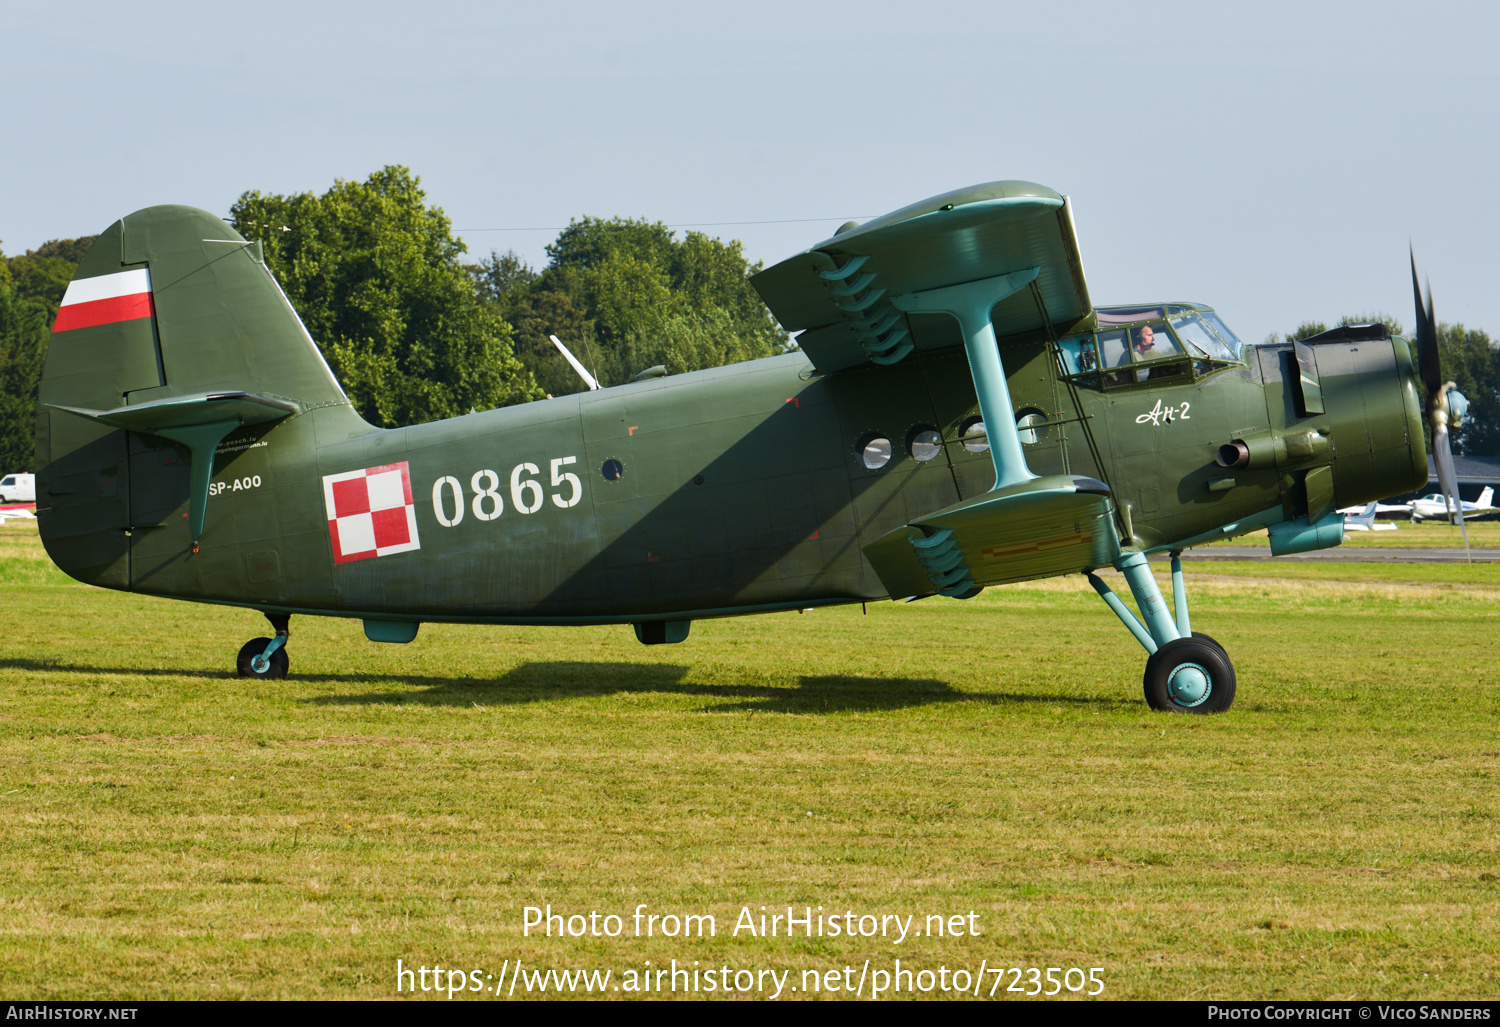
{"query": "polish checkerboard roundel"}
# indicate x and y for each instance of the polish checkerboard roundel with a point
(370, 512)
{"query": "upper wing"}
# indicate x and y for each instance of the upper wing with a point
(838, 293)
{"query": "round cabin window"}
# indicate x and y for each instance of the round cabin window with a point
(976, 439)
(925, 444)
(612, 470)
(874, 451)
(1032, 426)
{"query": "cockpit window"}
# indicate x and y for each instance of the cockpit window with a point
(1230, 339)
(1149, 346)
(1149, 342)
(1114, 351)
(1079, 355)
(1199, 339)
(1181, 345)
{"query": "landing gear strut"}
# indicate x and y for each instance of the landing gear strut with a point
(266, 657)
(1187, 672)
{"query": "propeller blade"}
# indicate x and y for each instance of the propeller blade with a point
(1449, 480)
(1427, 353)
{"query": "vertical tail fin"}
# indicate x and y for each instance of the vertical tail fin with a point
(171, 301)
(172, 327)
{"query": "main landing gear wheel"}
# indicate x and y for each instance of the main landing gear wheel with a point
(1201, 637)
(1190, 675)
(253, 663)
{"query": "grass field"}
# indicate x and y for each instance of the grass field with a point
(169, 830)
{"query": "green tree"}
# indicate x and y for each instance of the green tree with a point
(23, 347)
(688, 341)
(538, 316)
(502, 280)
(625, 295)
(31, 288)
(376, 276)
(41, 276)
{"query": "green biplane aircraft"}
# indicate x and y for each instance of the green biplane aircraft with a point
(959, 415)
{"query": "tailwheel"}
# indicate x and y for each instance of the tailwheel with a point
(253, 661)
(1190, 675)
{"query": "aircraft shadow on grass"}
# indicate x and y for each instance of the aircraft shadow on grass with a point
(549, 682)
(546, 682)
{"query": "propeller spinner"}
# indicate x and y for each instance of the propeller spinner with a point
(1445, 405)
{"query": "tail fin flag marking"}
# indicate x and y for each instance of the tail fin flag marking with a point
(124, 296)
(370, 512)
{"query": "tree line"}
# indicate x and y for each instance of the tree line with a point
(415, 333)
(31, 287)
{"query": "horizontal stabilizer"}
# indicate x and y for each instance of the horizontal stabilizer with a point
(190, 411)
(198, 422)
(1054, 525)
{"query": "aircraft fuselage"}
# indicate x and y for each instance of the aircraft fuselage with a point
(723, 491)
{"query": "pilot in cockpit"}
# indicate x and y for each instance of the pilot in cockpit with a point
(1145, 342)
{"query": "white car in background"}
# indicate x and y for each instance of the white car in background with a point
(18, 488)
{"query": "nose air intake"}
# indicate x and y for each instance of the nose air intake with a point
(1233, 454)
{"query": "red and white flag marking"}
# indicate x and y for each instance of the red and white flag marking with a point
(370, 512)
(123, 296)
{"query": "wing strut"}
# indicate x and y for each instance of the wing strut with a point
(971, 304)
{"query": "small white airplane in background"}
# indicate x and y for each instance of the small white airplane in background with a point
(1435, 505)
(1364, 520)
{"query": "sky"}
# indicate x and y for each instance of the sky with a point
(1272, 160)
